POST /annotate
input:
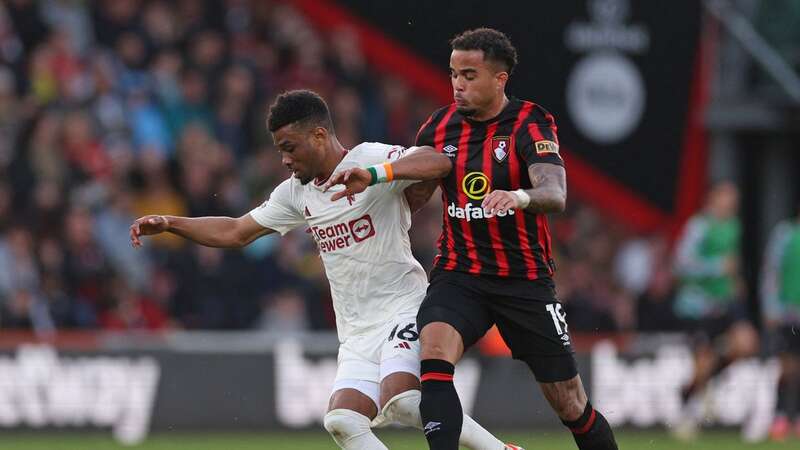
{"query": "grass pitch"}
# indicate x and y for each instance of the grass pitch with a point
(395, 440)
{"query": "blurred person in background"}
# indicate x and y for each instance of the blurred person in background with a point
(129, 310)
(21, 302)
(83, 149)
(654, 305)
(283, 313)
(112, 221)
(10, 118)
(780, 296)
(595, 296)
(709, 297)
(644, 266)
(87, 267)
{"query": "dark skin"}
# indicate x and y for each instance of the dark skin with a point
(479, 93)
(419, 163)
(309, 152)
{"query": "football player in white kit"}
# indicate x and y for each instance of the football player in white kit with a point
(376, 284)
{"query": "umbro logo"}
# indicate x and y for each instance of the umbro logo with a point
(430, 427)
(450, 150)
(403, 345)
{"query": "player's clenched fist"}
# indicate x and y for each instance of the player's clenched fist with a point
(147, 225)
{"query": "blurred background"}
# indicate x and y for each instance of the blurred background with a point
(678, 256)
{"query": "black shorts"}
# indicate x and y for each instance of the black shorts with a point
(527, 314)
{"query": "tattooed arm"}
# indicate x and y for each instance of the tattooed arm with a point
(548, 194)
(549, 191)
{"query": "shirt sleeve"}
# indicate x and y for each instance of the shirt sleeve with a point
(279, 212)
(688, 261)
(374, 153)
(397, 152)
(538, 139)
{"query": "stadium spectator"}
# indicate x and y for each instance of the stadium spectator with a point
(780, 296)
(710, 290)
(283, 313)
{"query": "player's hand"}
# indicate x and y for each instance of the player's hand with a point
(355, 180)
(147, 225)
(499, 202)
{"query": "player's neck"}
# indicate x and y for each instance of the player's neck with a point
(332, 159)
(493, 111)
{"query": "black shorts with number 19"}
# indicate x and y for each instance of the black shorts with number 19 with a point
(529, 317)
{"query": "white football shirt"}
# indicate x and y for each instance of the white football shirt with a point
(363, 241)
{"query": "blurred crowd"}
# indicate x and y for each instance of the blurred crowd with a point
(137, 107)
(153, 107)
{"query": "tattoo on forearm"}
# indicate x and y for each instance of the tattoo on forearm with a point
(549, 191)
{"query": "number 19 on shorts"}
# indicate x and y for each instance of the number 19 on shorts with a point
(559, 320)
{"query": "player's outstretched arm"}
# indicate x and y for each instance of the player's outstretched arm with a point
(419, 163)
(548, 194)
(225, 232)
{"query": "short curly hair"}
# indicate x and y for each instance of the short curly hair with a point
(496, 46)
(300, 106)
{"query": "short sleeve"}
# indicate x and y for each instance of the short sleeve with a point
(279, 212)
(373, 153)
(538, 139)
(396, 153)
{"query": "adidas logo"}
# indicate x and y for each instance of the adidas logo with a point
(430, 427)
(403, 345)
(450, 150)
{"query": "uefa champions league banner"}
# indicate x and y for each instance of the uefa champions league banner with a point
(286, 385)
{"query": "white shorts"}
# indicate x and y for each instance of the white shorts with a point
(365, 360)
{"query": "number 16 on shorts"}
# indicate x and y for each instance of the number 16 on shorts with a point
(407, 333)
(403, 341)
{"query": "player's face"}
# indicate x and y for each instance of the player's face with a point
(477, 83)
(302, 150)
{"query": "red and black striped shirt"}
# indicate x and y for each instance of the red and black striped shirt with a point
(491, 155)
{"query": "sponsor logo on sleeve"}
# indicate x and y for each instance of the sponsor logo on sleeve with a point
(544, 147)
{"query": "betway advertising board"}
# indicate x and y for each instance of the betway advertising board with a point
(285, 384)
